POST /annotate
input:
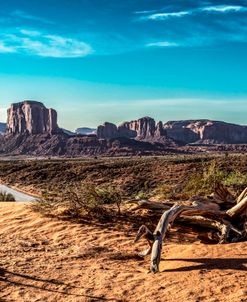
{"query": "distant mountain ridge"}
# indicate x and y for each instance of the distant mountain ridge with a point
(32, 129)
(206, 132)
(182, 132)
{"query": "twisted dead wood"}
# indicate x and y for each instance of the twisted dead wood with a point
(215, 219)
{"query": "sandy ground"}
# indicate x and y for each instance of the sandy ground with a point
(42, 259)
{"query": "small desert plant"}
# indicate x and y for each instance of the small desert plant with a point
(77, 201)
(169, 191)
(203, 181)
(4, 196)
(236, 180)
(91, 197)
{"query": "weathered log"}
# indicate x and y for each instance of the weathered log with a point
(148, 235)
(242, 195)
(238, 208)
(202, 212)
(220, 226)
(209, 208)
(159, 234)
(168, 218)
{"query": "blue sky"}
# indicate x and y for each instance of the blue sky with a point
(98, 60)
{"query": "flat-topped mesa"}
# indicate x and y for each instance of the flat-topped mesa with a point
(31, 117)
(206, 132)
(142, 129)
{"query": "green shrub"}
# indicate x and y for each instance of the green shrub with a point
(236, 178)
(77, 201)
(204, 181)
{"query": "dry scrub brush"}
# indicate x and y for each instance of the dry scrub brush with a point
(77, 201)
(202, 180)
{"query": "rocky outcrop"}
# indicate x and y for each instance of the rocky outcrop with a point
(31, 117)
(176, 132)
(159, 130)
(206, 132)
(124, 130)
(143, 129)
(107, 131)
(32, 130)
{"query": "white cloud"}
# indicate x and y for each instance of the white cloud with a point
(208, 9)
(162, 44)
(162, 16)
(40, 44)
(146, 11)
(224, 8)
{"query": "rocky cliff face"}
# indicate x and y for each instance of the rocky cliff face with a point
(143, 129)
(176, 132)
(206, 132)
(107, 130)
(160, 130)
(31, 117)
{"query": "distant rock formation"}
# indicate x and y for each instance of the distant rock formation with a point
(31, 117)
(85, 131)
(107, 131)
(206, 132)
(176, 132)
(160, 130)
(32, 130)
(143, 129)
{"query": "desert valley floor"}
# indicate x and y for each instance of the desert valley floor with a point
(51, 259)
(42, 259)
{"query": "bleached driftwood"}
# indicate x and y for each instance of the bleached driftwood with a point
(204, 213)
(238, 208)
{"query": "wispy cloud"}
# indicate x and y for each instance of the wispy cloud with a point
(162, 44)
(141, 12)
(224, 8)
(162, 16)
(36, 43)
(179, 14)
(23, 15)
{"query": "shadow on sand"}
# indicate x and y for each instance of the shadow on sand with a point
(211, 264)
(5, 276)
